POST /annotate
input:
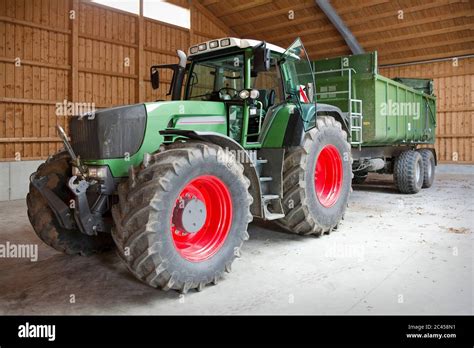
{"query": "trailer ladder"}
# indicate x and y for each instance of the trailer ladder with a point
(354, 106)
(355, 121)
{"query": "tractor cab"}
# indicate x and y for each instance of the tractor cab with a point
(253, 79)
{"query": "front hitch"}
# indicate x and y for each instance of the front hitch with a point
(88, 222)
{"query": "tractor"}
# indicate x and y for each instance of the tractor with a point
(174, 184)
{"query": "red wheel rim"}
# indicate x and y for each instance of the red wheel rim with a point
(213, 224)
(328, 176)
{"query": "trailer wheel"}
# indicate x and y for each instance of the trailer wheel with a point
(428, 167)
(317, 180)
(408, 172)
(45, 223)
(182, 217)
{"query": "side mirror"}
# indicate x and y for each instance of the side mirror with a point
(261, 58)
(155, 77)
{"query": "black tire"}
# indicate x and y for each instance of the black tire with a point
(45, 223)
(408, 172)
(429, 166)
(142, 217)
(304, 212)
(359, 178)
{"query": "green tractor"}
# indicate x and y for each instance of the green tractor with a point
(174, 184)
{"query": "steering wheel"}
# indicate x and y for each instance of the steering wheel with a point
(227, 89)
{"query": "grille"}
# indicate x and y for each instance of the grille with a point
(111, 133)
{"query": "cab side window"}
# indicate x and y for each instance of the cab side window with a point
(267, 83)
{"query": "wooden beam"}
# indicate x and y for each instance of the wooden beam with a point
(459, 109)
(139, 55)
(30, 140)
(33, 25)
(455, 136)
(74, 52)
(373, 44)
(107, 73)
(159, 50)
(245, 6)
(391, 49)
(27, 101)
(414, 59)
(414, 23)
(213, 18)
(13, 159)
(192, 31)
(34, 63)
(286, 24)
(209, 2)
(106, 40)
(271, 14)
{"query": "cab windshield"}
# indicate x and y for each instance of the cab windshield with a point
(217, 79)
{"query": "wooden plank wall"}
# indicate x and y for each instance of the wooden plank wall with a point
(454, 88)
(102, 57)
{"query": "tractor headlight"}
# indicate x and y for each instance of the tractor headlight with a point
(194, 50)
(97, 172)
(202, 47)
(254, 94)
(214, 44)
(244, 94)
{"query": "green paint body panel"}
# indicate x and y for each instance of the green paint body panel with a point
(163, 115)
(273, 132)
(393, 113)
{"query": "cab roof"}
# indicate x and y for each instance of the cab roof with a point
(228, 42)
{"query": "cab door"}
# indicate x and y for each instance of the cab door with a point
(298, 82)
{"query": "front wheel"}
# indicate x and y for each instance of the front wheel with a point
(182, 217)
(45, 223)
(317, 179)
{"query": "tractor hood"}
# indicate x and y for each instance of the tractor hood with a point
(108, 133)
(119, 137)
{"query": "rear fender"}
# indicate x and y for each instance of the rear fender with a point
(295, 129)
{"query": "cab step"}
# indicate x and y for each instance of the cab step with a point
(268, 214)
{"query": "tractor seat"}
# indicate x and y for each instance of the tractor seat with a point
(266, 97)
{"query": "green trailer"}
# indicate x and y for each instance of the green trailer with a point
(383, 117)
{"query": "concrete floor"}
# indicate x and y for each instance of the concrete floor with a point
(393, 254)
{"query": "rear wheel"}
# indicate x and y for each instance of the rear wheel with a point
(182, 217)
(317, 179)
(408, 172)
(429, 166)
(45, 223)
